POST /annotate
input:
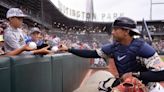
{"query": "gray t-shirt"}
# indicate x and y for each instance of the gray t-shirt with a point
(13, 39)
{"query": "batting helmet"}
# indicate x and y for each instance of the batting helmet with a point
(126, 23)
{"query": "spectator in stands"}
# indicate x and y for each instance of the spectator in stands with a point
(14, 37)
(37, 36)
(55, 40)
(1, 30)
(14, 52)
(98, 62)
(34, 36)
(133, 57)
(3, 24)
(1, 39)
(1, 45)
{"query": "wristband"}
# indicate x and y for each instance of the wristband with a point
(136, 74)
(69, 49)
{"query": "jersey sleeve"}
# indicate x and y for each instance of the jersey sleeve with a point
(151, 59)
(146, 51)
(105, 51)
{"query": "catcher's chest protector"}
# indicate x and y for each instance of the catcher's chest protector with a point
(125, 57)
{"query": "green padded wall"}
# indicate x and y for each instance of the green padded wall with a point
(57, 73)
(5, 74)
(74, 70)
(31, 74)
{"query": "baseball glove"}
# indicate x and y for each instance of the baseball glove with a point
(130, 84)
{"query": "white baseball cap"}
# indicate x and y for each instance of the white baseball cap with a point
(15, 12)
(35, 29)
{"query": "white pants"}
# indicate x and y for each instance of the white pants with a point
(156, 88)
(92, 83)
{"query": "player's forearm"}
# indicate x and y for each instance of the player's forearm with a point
(84, 53)
(152, 76)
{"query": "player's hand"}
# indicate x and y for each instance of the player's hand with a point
(62, 47)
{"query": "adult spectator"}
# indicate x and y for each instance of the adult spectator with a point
(1, 45)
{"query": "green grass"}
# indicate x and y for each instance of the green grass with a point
(162, 58)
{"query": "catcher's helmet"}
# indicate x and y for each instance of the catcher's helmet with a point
(127, 23)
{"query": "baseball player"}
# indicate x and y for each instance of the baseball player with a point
(132, 56)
